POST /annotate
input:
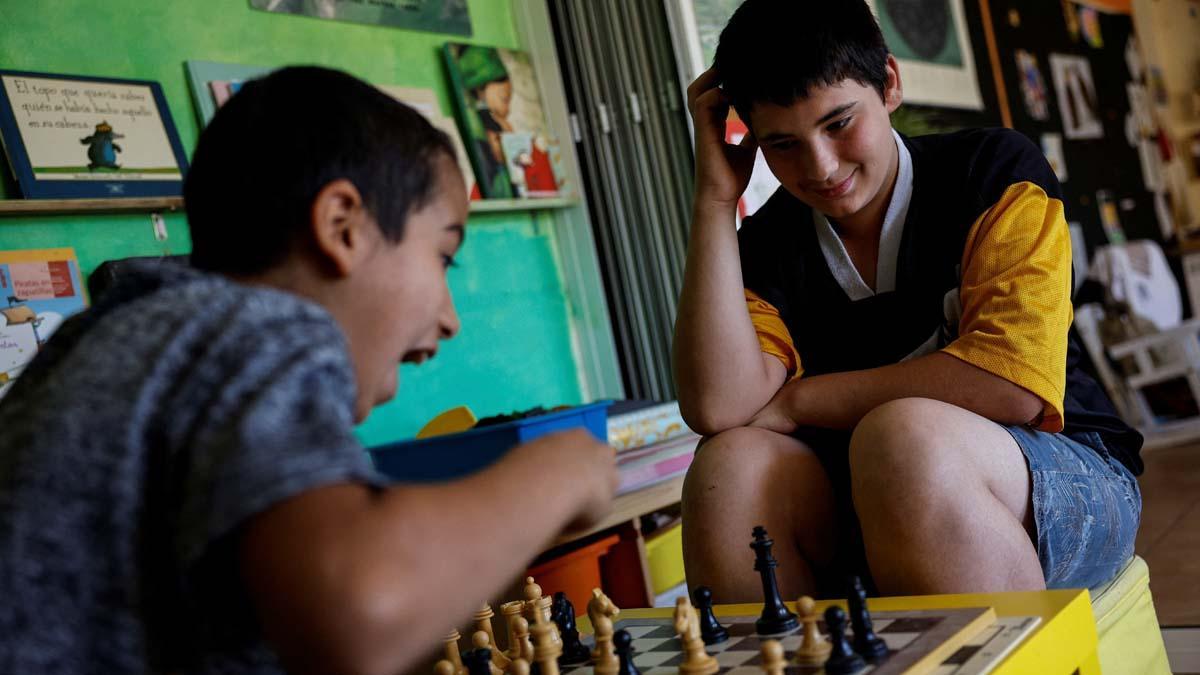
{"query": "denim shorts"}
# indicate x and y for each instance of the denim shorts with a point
(1086, 506)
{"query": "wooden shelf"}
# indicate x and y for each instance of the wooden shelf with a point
(51, 207)
(498, 205)
(633, 505)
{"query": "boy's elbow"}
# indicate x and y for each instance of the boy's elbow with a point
(707, 419)
(1021, 407)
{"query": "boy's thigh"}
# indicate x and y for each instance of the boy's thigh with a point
(914, 450)
(1087, 507)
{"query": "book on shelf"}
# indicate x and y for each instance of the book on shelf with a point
(655, 463)
(39, 288)
(634, 424)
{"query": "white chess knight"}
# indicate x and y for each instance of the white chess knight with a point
(602, 611)
(696, 660)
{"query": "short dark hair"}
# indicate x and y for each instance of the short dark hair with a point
(776, 51)
(276, 143)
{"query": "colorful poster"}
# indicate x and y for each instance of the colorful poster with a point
(1033, 87)
(496, 92)
(1076, 97)
(435, 16)
(39, 289)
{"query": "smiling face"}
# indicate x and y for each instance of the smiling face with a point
(402, 306)
(834, 149)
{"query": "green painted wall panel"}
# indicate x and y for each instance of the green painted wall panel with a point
(514, 350)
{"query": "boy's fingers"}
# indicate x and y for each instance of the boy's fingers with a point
(706, 82)
(711, 100)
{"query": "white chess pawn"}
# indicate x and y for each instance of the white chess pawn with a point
(814, 649)
(773, 661)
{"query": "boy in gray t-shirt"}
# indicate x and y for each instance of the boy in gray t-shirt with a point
(180, 487)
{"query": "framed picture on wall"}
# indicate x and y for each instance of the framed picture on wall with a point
(213, 83)
(89, 137)
(930, 41)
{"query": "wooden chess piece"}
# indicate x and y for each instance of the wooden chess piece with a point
(521, 639)
(443, 667)
(546, 649)
(710, 629)
(563, 615)
(813, 649)
(518, 666)
(601, 612)
(535, 603)
(624, 645)
(869, 645)
(696, 660)
(772, 655)
(452, 653)
(480, 640)
(479, 661)
(483, 622)
(775, 619)
(510, 611)
(843, 660)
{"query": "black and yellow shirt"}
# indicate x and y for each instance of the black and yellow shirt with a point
(974, 261)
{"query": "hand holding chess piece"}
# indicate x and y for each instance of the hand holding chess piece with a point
(696, 661)
(813, 649)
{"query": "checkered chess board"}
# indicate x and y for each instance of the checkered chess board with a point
(940, 642)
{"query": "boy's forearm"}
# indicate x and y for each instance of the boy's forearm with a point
(840, 400)
(717, 361)
(398, 569)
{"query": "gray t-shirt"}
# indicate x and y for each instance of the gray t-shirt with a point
(146, 432)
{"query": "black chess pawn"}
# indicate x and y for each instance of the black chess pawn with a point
(623, 643)
(866, 642)
(775, 617)
(478, 661)
(562, 613)
(710, 629)
(843, 660)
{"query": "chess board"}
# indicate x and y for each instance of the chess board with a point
(937, 642)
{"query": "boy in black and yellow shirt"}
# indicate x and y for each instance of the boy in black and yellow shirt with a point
(886, 338)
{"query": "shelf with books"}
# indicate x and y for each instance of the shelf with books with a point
(530, 204)
(58, 207)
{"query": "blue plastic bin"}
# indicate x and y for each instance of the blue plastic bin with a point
(455, 455)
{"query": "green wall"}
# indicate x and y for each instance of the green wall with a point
(514, 350)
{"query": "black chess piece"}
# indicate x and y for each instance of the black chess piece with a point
(623, 643)
(843, 660)
(775, 617)
(866, 642)
(562, 613)
(478, 661)
(710, 629)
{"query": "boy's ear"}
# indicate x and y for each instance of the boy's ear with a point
(341, 227)
(893, 92)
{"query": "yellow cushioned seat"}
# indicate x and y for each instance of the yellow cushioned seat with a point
(1130, 639)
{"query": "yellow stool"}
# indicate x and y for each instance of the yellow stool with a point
(1127, 627)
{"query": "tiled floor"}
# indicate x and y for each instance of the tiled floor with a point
(1169, 538)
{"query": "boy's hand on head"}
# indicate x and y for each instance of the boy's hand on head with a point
(577, 459)
(722, 170)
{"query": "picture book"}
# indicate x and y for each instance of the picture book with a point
(39, 289)
(496, 93)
